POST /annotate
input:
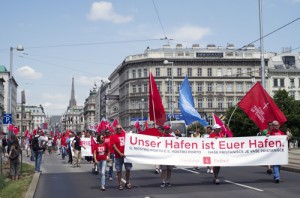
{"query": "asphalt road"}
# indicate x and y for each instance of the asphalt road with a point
(59, 180)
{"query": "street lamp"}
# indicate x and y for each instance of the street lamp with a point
(18, 48)
(166, 62)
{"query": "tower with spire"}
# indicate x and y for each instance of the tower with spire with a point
(72, 102)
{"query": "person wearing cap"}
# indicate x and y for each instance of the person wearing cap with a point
(216, 133)
(166, 170)
(276, 131)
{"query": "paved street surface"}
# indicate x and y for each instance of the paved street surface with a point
(59, 180)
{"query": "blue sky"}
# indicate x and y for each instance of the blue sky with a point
(89, 39)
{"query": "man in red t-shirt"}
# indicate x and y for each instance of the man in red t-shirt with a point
(275, 131)
(108, 139)
(118, 142)
(63, 146)
(217, 133)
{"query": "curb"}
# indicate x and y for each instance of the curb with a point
(31, 190)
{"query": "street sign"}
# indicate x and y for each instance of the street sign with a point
(7, 118)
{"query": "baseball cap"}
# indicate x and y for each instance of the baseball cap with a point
(167, 127)
(216, 126)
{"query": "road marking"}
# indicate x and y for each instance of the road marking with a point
(189, 170)
(257, 189)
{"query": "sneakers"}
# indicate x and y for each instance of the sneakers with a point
(163, 185)
(208, 170)
(194, 169)
(110, 178)
(198, 168)
(269, 171)
(168, 184)
(102, 188)
(211, 171)
(277, 180)
(156, 171)
(216, 181)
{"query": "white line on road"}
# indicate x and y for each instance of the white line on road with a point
(244, 185)
(189, 170)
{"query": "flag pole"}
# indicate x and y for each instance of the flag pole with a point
(232, 114)
(153, 109)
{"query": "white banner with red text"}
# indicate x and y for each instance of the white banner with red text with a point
(86, 149)
(184, 151)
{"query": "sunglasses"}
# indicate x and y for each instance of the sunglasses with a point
(118, 128)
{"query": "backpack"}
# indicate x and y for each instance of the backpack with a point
(14, 154)
(35, 144)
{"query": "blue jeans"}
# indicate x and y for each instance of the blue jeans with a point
(111, 169)
(38, 160)
(276, 172)
(63, 152)
(101, 169)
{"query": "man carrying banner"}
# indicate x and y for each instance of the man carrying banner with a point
(276, 131)
(217, 133)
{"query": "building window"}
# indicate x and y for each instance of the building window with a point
(139, 73)
(140, 88)
(158, 86)
(219, 87)
(292, 82)
(199, 86)
(275, 82)
(145, 72)
(200, 103)
(169, 100)
(199, 71)
(133, 88)
(145, 87)
(169, 72)
(230, 102)
(169, 87)
(219, 72)
(292, 94)
(220, 103)
(133, 73)
(281, 82)
(239, 71)
(157, 71)
(229, 87)
(239, 87)
(178, 86)
(209, 87)
(249, 85)
(229, 72)
(179, 72)
(209, 71)
(209, 103)
(190, 72)
(249, 72)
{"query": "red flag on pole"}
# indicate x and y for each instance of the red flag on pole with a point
(16, 130)
(225, 129)
(10, 127)
(93, 145)
(156, 108)
(137, 125)
(115, 123)
(102, 125)
(260, 107)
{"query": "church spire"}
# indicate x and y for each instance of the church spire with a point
(72, 102)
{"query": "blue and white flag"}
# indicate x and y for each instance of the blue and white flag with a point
(187, 106)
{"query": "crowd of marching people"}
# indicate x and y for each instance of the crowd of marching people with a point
(107, 149)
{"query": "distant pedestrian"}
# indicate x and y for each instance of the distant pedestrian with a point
(13, 155)
(63, 146)
(166, 170)
(289, 137)
(108, 139)
(69, 146)
(276, 131)
(217, 133)
(119, 147)
(76, 146)
(101, 156)
(38, 146)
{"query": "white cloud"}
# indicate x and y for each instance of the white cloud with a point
(190, 33)
(90, 81)
(28, 73)
(104, 11)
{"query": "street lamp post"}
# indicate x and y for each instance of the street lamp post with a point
(18, 48)
(166, 62)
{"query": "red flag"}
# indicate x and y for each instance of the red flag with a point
(137, 125)
(156, 108)
(102, 125)
(34, 132)
(93, 145)
(10, 127)
(225, 129)
(115, 123)
(16, 130)
(110, 128)
(51, 133)
(67, 134)
(27, 134)
(152, 132)
(260, 107)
